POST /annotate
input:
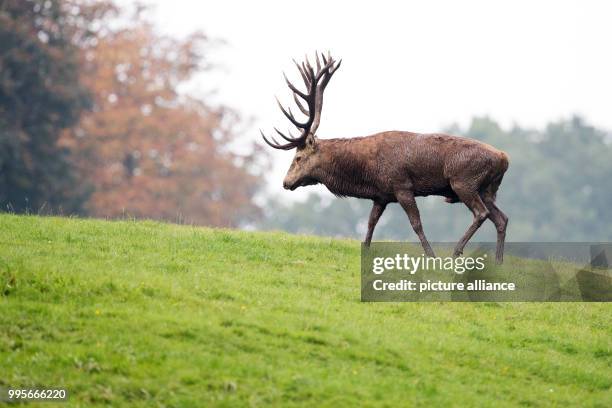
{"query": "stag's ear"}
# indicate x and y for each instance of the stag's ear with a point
(311, 141)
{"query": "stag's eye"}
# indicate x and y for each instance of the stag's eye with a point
(297, 159)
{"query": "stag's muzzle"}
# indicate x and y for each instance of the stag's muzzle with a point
(286, 185)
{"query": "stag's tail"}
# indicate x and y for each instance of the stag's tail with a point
(498, 174)
(504, 161)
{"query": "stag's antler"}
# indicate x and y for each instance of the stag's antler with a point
(315, 85)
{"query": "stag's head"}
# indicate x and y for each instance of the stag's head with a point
(307, 160)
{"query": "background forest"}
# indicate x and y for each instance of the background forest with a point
(94, 121)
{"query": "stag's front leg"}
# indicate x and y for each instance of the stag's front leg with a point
(408, 203)
(377, 210)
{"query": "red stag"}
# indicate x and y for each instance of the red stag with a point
(392, 166)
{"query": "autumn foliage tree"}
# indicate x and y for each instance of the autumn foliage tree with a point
(147, 149)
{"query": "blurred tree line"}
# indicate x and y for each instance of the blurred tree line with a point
(92, 122)
(558, 188)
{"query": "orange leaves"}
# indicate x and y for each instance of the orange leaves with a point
(148, 150)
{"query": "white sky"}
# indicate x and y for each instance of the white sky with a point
(408, 65)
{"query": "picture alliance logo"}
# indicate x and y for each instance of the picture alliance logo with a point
(412, 264)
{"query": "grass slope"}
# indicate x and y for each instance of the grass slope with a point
(143, 313)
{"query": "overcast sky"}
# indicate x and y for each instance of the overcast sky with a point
(409, 65)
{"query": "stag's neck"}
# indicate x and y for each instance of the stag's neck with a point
(347, 169)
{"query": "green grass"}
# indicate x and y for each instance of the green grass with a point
(145, 314)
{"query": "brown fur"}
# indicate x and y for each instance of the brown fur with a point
(397, 166)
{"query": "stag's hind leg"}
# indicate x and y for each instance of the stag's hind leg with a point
(472, 200)
(501, 223)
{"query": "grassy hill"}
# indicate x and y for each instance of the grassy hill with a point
(145, 314)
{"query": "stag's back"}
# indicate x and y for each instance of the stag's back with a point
(427, 161)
